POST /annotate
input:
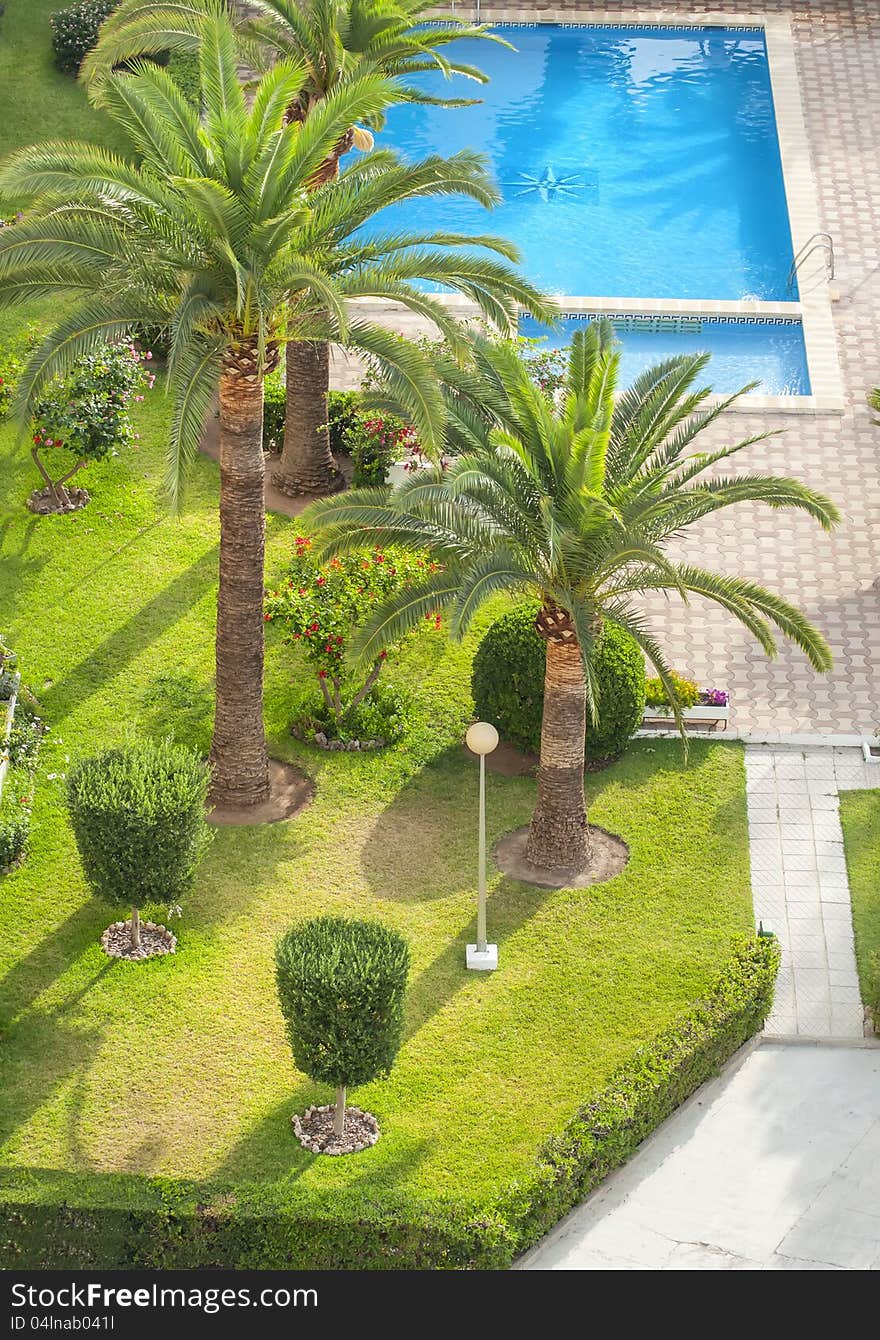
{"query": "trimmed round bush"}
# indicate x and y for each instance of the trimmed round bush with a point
(341, 987)
(508, 684)
(138, 816)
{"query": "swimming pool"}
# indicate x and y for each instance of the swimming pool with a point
(634, 161)
(743, 350)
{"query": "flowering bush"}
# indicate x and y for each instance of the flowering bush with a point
(322, 606)
(687, 692)
(87, 413)
(546, 367)
(377, 442)
(75, 32)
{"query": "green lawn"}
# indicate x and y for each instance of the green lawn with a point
(860, 817)
(180, 1066)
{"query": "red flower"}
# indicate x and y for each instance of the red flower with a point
(320, 581)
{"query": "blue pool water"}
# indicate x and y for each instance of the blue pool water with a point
(636, 162)
(770, 352)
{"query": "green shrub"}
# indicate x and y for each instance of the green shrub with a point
(25, 737)
(69, 1220)
(376, 442)
(274, 406)
(15, 816)
(508, 684)
(385, 714)
(687, 691)
(342, 417)
(183, 66)
(341, 986)
(138, 816)
(75, 32)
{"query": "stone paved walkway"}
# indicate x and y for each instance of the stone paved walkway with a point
(799, 884)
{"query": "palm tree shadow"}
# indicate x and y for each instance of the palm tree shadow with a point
(127, 641)
(423, 845)
(510, 906)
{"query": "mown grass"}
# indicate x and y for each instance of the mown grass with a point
(180, 1066)
(860, 817)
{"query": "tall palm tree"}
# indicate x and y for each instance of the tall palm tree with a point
(208, 226)
(575, 503)
(332, 41)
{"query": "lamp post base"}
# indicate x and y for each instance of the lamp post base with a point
(487, 961)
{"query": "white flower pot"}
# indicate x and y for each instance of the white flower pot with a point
(703, 712)
(868, 751)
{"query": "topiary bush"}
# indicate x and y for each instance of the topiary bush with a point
(75, 32)
(341, 986)
(508, 684)
(138, 816)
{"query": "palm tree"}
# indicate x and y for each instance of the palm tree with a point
(575, 503)
(207, 226)
(332, 41)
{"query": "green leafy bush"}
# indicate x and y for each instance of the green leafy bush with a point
(15, 815)
(53, 1220)
(321, 606)
(75, 32)
(343, 409)
(138, 816)
(341, 987)
(377, 442)
(508, 684)
(86, 415)
(686, 691)
(274, 407)
(342, 416)
(385, 714)
(25, 737)
(183, 66)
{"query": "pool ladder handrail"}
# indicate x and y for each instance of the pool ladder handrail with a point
(819, 241)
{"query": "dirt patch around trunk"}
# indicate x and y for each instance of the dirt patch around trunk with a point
(610, 855)
(275, 500)
(289, 792)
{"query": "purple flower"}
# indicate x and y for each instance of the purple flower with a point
(714, 697)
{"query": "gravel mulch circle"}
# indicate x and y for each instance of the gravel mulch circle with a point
(45, 503)
(116, 941)
(320, 741)
(314, 1130)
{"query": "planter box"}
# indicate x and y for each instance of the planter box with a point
(871, 751)
(703, 712)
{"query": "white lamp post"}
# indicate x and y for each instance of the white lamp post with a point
(481, 739)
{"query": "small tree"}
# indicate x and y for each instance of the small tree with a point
(86, 414)
(138, 816)
(322, 606)
(341, 986)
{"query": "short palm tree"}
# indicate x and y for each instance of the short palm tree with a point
(208, 226)
(575, 503)
(331, 41)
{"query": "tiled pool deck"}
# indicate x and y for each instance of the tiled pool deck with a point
(836, 579)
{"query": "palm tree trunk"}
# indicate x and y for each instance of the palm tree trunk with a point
(239, 760)
(307, 465)
(558, 834)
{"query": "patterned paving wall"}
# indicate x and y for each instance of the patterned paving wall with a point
(835, 578)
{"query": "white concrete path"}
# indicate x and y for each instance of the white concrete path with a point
(799, 884)
(775, 1165)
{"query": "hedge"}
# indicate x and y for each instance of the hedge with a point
(60, 1220)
